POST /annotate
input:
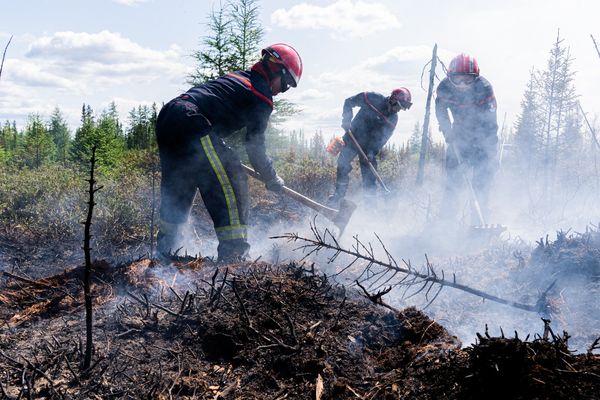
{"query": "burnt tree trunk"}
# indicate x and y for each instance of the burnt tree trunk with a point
(88, 264)
(425, 133)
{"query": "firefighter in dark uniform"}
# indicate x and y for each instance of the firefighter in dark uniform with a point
(472, 132)
(372, 127)
(193, 156)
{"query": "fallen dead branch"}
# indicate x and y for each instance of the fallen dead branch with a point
(377, 272)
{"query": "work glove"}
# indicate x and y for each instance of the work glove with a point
(276, 184)
(346, 125)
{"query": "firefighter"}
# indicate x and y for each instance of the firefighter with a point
(193, 156)
(372, 127)
(471, 135)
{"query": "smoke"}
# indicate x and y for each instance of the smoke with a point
(406, 222)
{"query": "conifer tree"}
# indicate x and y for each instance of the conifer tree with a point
(216, 57)
(246, 32)
(9, 140)
(38, 146)
(414, 142)
(141, 131)
(106, 134)
(59, 131)
(528, 134)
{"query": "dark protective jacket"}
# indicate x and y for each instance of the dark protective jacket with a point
(373, 124)
(473, 111)
(234, 101)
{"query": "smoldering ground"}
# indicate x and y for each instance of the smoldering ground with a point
(405, 225)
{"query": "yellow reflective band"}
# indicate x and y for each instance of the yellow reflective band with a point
(230, 228)
(215, 162)
(232, 232)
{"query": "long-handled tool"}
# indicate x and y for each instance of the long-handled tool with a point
(483, 226)
(339, 217)
(364, 156)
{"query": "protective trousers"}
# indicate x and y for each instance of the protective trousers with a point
(193, 157)
(344, 167)
(481, 158)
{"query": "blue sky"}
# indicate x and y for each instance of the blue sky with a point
(67, 52)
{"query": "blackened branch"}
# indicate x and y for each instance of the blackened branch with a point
(415, 282)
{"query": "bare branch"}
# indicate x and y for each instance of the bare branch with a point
(4, 55)
(595, 45)
(420, 281)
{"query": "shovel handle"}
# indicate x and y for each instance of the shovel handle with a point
(327, 211)
(364, 156)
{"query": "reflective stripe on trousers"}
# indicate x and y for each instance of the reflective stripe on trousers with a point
(235, 230)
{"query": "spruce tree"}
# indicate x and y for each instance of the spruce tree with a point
(38, 146)
(106, 134)
(59, 131)
(216, 56)
(528, 133)
(414, 142)
(246, 32)
(142, 121)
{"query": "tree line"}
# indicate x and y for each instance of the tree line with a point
(42, 142)
(550, 141)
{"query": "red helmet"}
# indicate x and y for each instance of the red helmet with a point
(464, 64)
(402, 96)
(286, 56)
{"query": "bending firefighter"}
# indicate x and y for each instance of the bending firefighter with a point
(193, 156)
(471, 135)
(372, 126)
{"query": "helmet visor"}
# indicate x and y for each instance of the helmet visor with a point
(286, 80)
(462, 79)
(405, 105)
(399, 104)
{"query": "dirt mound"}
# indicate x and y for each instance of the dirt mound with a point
(260, 331)
(571, 254)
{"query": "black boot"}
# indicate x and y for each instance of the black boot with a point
(340, 192)
(334, 200)
(233, 251)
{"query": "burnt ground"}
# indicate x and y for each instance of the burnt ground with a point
(193, 329)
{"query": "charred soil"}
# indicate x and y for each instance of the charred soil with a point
(194, 329)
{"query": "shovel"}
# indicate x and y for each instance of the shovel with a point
(483, 227)
(339, 217)
(364, 156)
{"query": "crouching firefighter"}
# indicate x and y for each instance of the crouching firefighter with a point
(372, 126)
(190, 131)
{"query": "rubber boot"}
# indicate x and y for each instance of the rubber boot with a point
(340, 192)
(232, 251)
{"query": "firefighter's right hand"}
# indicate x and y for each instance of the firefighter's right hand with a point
(276, 184)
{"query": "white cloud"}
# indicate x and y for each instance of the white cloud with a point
(129, 2)
(16, 103)
(32, 74)
(308, 95)
(346, 18)
(100, 59)
(66, 69)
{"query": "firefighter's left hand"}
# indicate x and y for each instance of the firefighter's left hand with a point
(276, 184)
